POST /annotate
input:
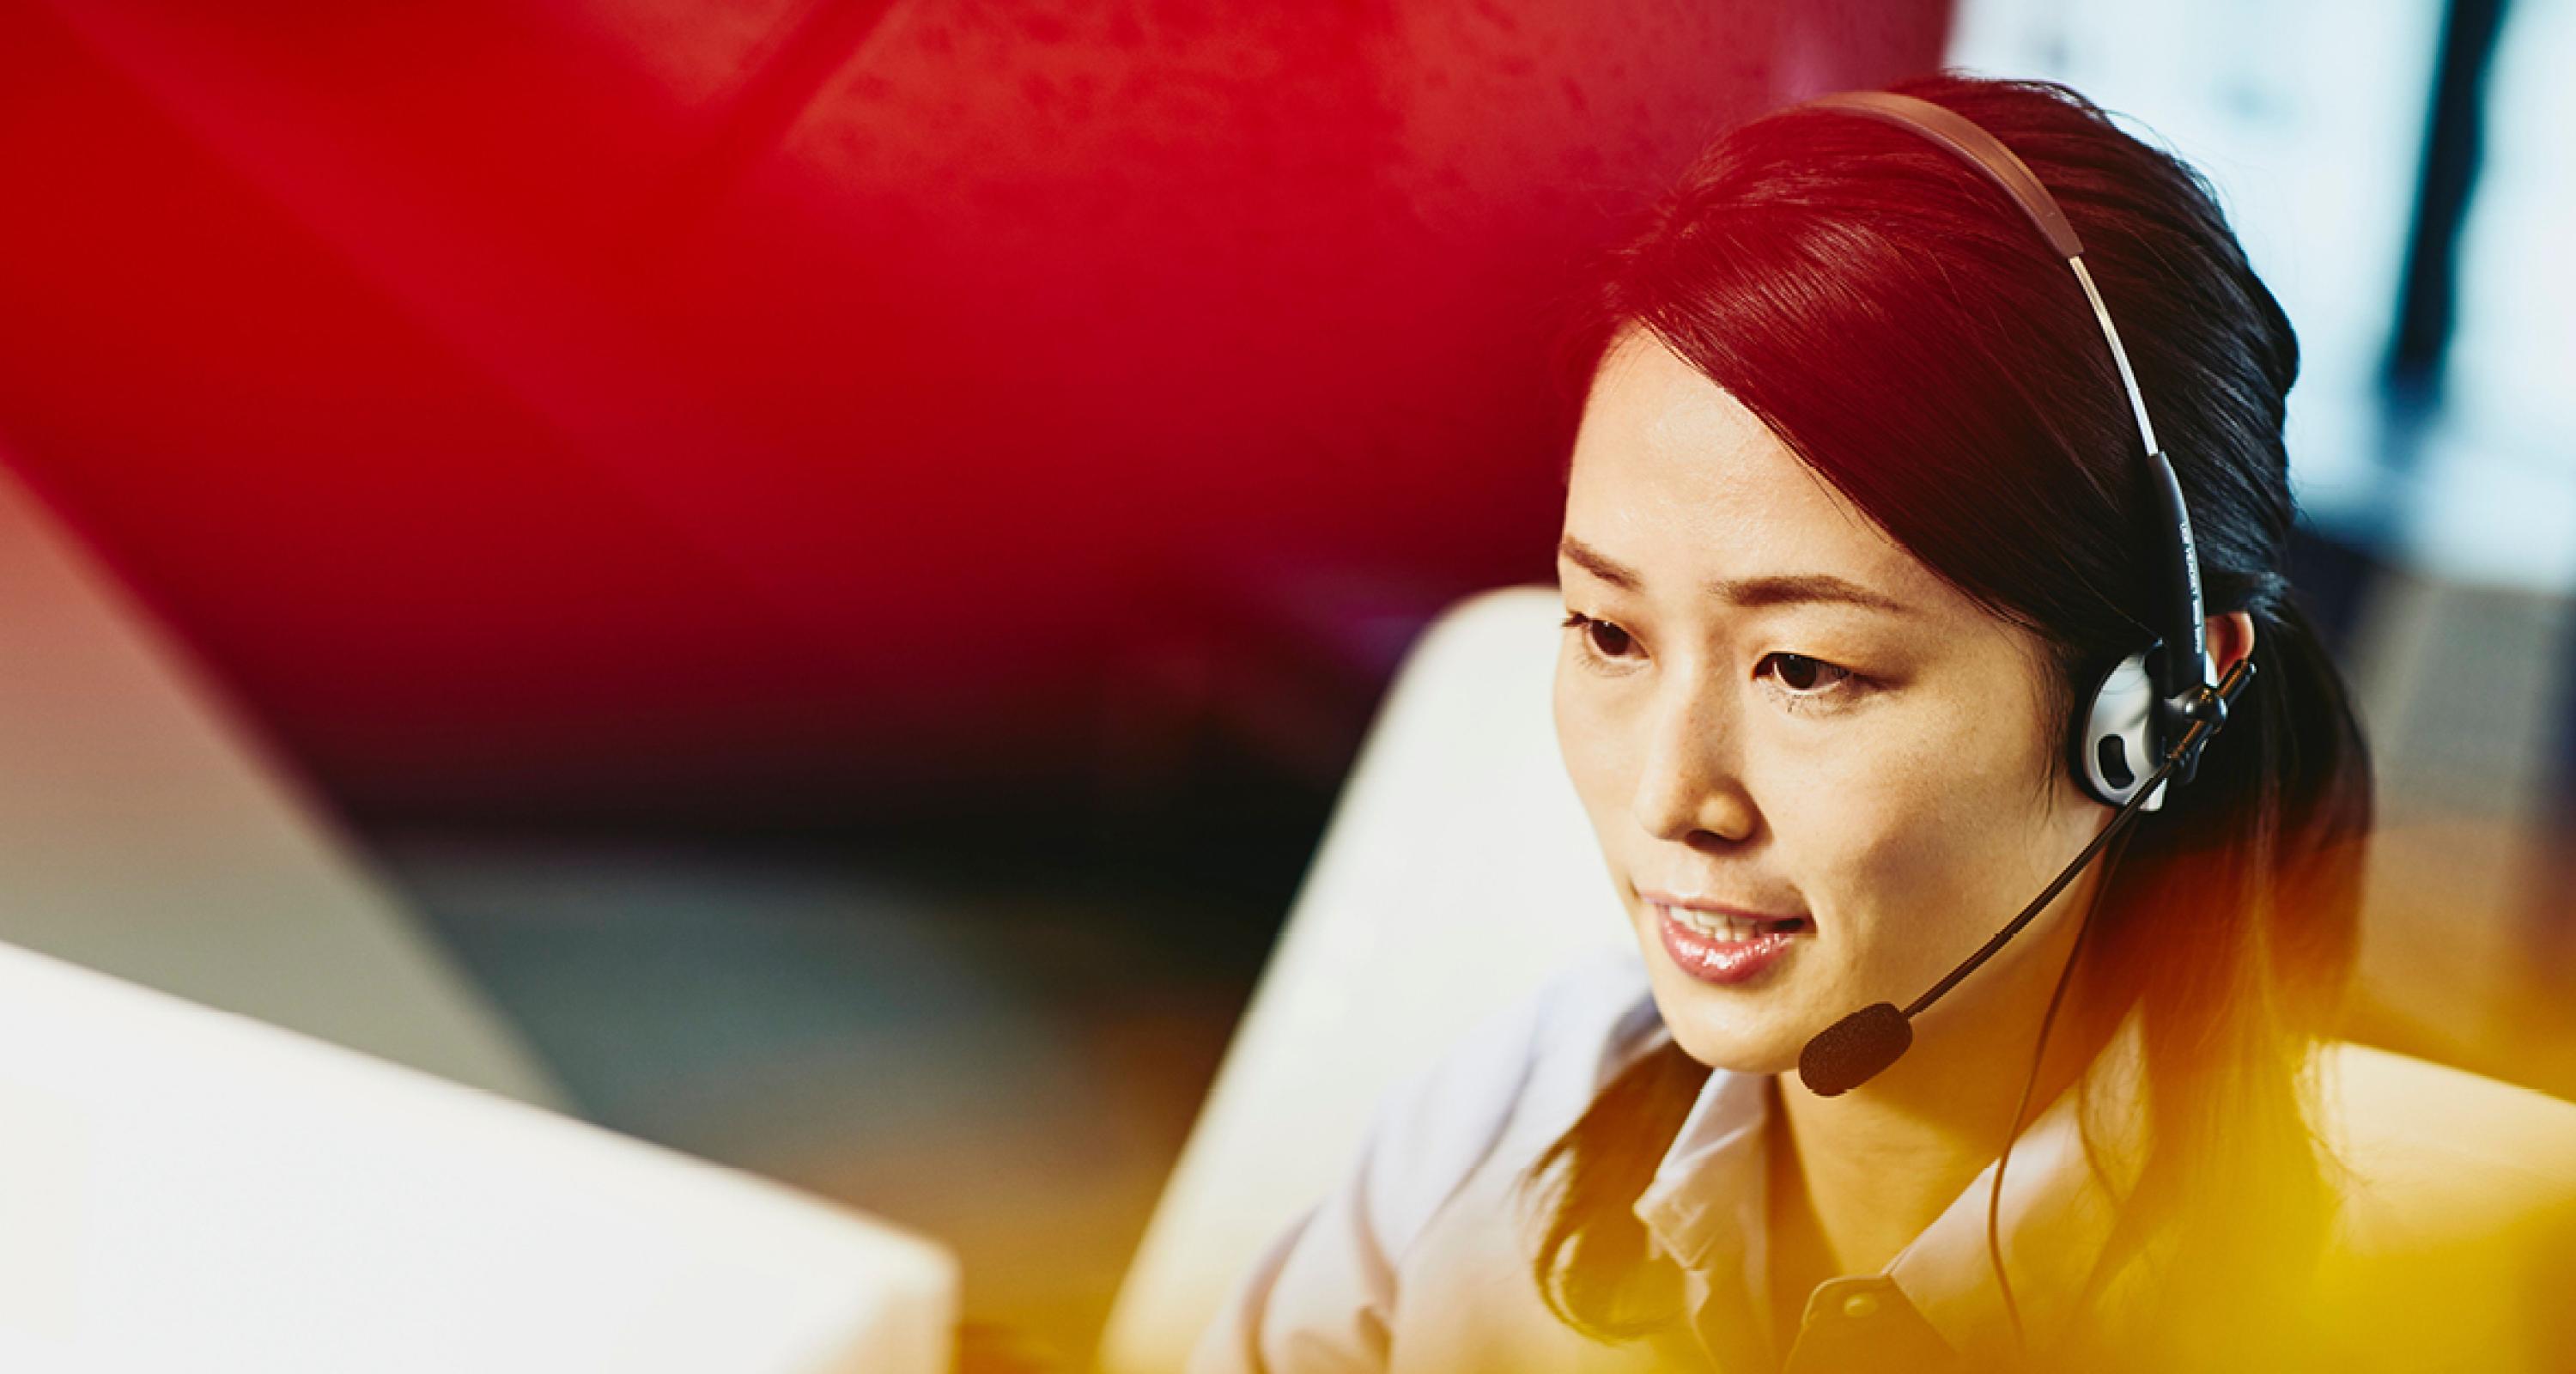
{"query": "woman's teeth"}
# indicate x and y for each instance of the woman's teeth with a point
(1719, 926)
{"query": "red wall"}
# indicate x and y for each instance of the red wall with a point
(703, 410)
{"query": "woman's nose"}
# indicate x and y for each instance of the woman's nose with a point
(1689, 779)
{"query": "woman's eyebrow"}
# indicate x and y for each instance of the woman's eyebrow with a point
(1777, 590)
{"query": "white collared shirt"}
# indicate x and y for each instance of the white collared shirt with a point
(1421, 1259)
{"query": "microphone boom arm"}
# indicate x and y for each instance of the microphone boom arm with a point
(2203, 722)
(1854, 1049)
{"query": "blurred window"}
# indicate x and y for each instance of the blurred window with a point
(2308, 117)
(2499, 469)
(2311, 119)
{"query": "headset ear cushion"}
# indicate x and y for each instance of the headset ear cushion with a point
(2113, 742)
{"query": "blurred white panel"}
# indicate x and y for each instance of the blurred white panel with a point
(145, 832)
(186, 1189)
(2514, 355)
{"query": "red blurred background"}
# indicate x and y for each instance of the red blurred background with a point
(793, 413)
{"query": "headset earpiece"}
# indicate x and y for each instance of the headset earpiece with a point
(2113, 736)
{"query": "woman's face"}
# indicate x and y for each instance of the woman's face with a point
(1767, 705)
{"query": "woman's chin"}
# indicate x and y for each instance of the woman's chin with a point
(1739, 1040)
(1736, 1055)
(1742, 1029)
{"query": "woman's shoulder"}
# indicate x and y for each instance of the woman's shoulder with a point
(2457, 1197)
(1574, 1031)
(1326, 1291)
(1554, 1044)
(1523, 1073)
(2440, 1161)
(2393, 1111)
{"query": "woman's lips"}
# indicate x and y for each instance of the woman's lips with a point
(1725, 947)
(1708, 907)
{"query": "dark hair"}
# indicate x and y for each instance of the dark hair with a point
(1901, 326)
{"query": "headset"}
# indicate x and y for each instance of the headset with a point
(2139, 729)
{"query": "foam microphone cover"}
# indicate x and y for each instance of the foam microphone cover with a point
(1851, 1051)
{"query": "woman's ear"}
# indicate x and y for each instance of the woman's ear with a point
(2231, 637)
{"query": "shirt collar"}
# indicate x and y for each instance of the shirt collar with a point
(1706, 1196)
(1705, 1206)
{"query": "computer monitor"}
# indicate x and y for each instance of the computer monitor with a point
(188, 1189)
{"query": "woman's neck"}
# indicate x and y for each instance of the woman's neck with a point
(1866, 1172)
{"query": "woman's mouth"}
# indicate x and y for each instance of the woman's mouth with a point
(1721, 947)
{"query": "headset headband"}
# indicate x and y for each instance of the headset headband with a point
(2183, 667)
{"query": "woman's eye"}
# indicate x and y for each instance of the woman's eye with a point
(1601, 639)
(1800, 676)
(1805, 676)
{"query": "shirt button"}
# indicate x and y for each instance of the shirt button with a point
(1861, 1306)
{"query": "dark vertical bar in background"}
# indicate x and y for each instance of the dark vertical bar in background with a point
(2452, 147)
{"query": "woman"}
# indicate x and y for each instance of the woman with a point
(1859, 515)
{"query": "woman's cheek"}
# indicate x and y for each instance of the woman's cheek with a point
(1602, 741)
(1581, 739)
(1890, 855)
